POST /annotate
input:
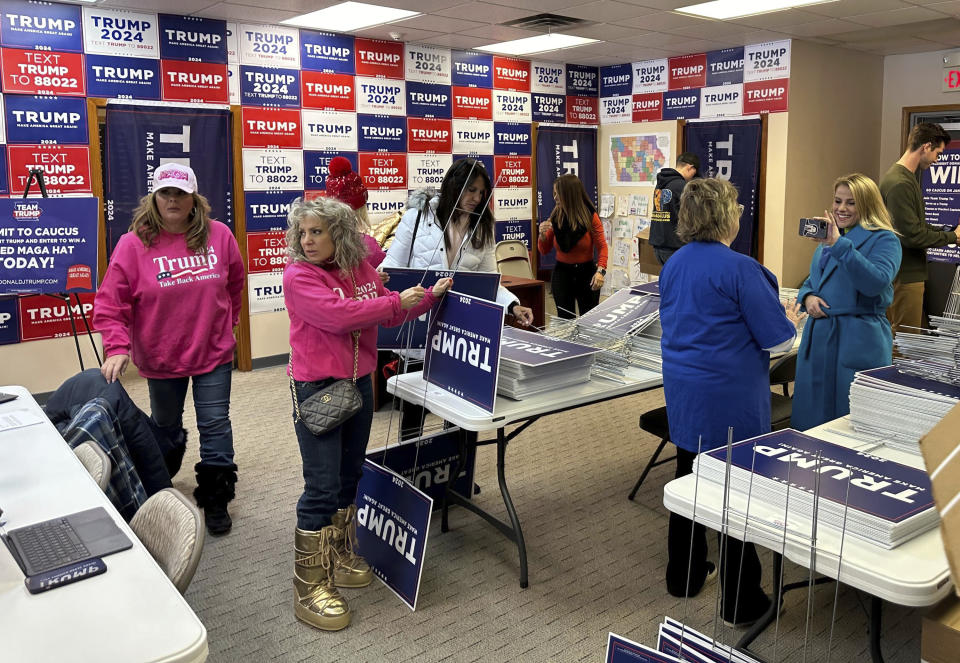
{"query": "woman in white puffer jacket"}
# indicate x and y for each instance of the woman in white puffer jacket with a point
(450, 231)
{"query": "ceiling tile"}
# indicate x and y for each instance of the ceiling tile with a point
(387, 31)
(299, 6)
(246, 14)
(851, 7)
(653, 39)
(896, 17)
(172, 7)
(435, 24)
(608, 11)
(897, 47)
(493, 33)
(952, 8)
(662, 21)
(538, 6)
(829, 26)
(604, 31)
(422, 6)
(661, 5)
(708, 29)
(484, 12)
(459, 42)
(777, 19)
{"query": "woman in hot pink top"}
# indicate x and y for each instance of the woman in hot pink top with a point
(333, 294)
(169, 302)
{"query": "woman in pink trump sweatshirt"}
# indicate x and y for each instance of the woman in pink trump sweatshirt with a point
(331, 292)
(169, 302)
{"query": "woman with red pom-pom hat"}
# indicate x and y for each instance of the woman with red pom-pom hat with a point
(346, 185)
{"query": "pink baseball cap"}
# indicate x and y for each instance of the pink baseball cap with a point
(175, 175)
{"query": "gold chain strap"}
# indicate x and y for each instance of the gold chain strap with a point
(356, 358)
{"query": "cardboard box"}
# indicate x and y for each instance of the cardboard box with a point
(940, 637)
(941, 455)
(648, 259)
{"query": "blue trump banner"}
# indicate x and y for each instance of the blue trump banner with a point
(463, 348)
(119, 77)
(268, 86)
(427, 461)
(140, 138)
(725, 67)
(511, 138)
(562, 150)
(316, 167)
(583, 80)
(486, 160)
(428, 100)
(325, 51)
(616, 80)
(267, 210)
(40, 120)
(548, 107)
(730, 150)
(10, 322)
(520, 230)
(472, 69)
(681, 104)
(381, 133)
(476, 284)
(193, 38)
(48, 26)
(941, 197)
(48, 245)
(393, 521)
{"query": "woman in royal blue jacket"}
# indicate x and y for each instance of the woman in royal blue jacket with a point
(847, 294)
(721, 317)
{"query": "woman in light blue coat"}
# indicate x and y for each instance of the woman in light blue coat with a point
(847, 294)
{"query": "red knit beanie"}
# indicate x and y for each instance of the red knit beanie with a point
(344, 184)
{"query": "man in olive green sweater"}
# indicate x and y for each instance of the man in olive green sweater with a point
(900, 188)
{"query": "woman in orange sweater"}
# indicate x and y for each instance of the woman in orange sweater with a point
(575, 229)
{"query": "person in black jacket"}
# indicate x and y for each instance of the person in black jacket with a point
(666, 205)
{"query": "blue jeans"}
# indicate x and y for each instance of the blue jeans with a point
(332, 462)
(211, 401)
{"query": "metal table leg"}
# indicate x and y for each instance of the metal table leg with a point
(512, 531)
(876, 615)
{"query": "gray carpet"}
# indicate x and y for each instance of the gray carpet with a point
(596, 560)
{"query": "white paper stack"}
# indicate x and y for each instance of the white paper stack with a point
(535, 363)
(878, 500)
(898, 409)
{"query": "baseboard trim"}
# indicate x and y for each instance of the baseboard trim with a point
(268, 362)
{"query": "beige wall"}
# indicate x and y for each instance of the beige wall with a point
(269, 334)
(833, 128)
(41, 366)
(909, 80)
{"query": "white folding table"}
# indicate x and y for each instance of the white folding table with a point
(129, 614)
(913, 574)
(412, 388)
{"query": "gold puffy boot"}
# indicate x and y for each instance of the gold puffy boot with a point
(316, 599)
(350, 569)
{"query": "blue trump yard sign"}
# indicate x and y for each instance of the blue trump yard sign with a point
(393, 520)
(409, 336)
(463, 348)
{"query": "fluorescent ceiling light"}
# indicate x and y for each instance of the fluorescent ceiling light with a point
(539, 44)
(722, 9)
(349, 16)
